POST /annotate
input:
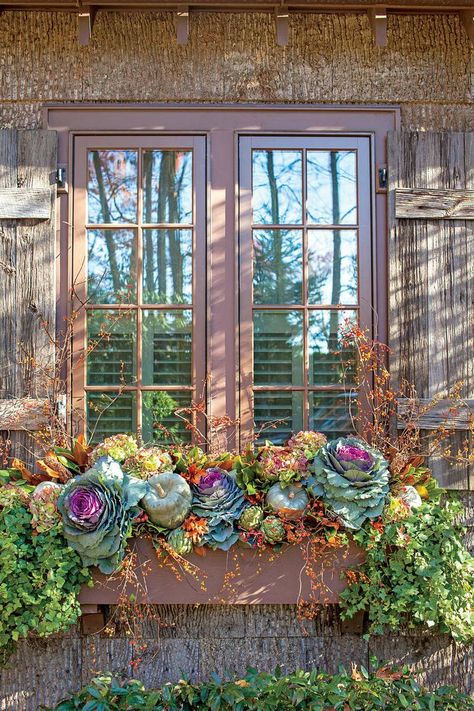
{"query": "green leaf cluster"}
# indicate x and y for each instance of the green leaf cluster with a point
(299, 691)
(417, 572)
(40, 578)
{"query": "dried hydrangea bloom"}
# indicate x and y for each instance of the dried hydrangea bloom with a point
(118, 447)
(308, 442)
(283, 464)
(148, 461)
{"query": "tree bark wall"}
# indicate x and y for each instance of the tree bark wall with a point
(427, 69)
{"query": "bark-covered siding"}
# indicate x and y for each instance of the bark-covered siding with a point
(427, 68)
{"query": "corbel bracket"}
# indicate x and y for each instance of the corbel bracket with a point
(378, 23)
(85, 25)
(282, 22)
(182, 25)
(467, 21)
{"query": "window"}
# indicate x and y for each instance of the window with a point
(222, 246)
(306, 270)
(139, 257)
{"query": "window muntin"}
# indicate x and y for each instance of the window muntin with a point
(305, 235)
(139, 253)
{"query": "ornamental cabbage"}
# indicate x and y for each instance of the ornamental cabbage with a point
(352, 479)
(97, 509)
(218, 499)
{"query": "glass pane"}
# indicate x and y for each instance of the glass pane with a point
(332, 187)
(110, 413)
(112, 189)
(330, 413)
(167, 266)
(167, 351)
(111, 273)
(160, 423)
(278, 267)
(328, 365)
(277, 187)
(278, 348)
(168, 187)
(111, 342)
(283, 410)
(332, 267)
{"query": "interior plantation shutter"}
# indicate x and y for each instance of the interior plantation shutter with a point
(28, 164)
(431, 276)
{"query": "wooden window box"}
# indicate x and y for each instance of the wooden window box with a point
(240, 577)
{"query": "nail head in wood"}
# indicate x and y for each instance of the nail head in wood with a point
(85, 26)
(182, 25)
(378, 22)
(467, 21)
(282, 20)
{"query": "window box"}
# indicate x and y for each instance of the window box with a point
(258, 577)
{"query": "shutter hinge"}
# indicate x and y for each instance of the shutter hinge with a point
(383, 178)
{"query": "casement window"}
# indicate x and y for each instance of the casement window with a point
(219, 264)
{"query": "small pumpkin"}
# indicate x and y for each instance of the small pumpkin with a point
(168, 500)
(289, 502)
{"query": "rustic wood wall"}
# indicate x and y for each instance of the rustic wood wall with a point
(427, 69)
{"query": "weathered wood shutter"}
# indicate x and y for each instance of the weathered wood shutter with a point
(431, 284)
(27, 283)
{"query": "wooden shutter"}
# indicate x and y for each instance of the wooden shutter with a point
(431, 289)
(27, 283)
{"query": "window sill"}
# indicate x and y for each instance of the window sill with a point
(242, 576)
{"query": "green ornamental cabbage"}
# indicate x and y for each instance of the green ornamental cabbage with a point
(352, 479)
(97, 509)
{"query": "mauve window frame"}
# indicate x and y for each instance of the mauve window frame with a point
(223, 125)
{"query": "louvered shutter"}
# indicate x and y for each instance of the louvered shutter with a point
(431, 275)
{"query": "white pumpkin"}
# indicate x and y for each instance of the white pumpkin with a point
(290, 501)
(168, 500)
(46, 486)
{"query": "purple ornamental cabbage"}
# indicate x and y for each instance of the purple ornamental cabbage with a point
(218, 499)
(97, 509)
(352, 479)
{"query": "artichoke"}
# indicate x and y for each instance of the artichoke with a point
(97, 509)
(218, 499)
(273, 530)
(352, 479)
(251, 518)
(180, 542)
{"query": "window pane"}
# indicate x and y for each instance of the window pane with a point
(332, 267)
(167, 187)
(111, 271)
(167, 348)
(283, 409)
(327, 364)
(278, 348)
(110, 413)
(160, 424)
(111, 339)
(278, 267)
(332, 187)
(112, 189)
(167, 266)
(330, 413)
(277, 187)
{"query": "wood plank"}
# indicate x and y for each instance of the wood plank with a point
(415, 203)
(443, 412)
(23, 204)
(23, 414)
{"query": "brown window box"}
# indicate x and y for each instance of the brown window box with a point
(240, 577)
